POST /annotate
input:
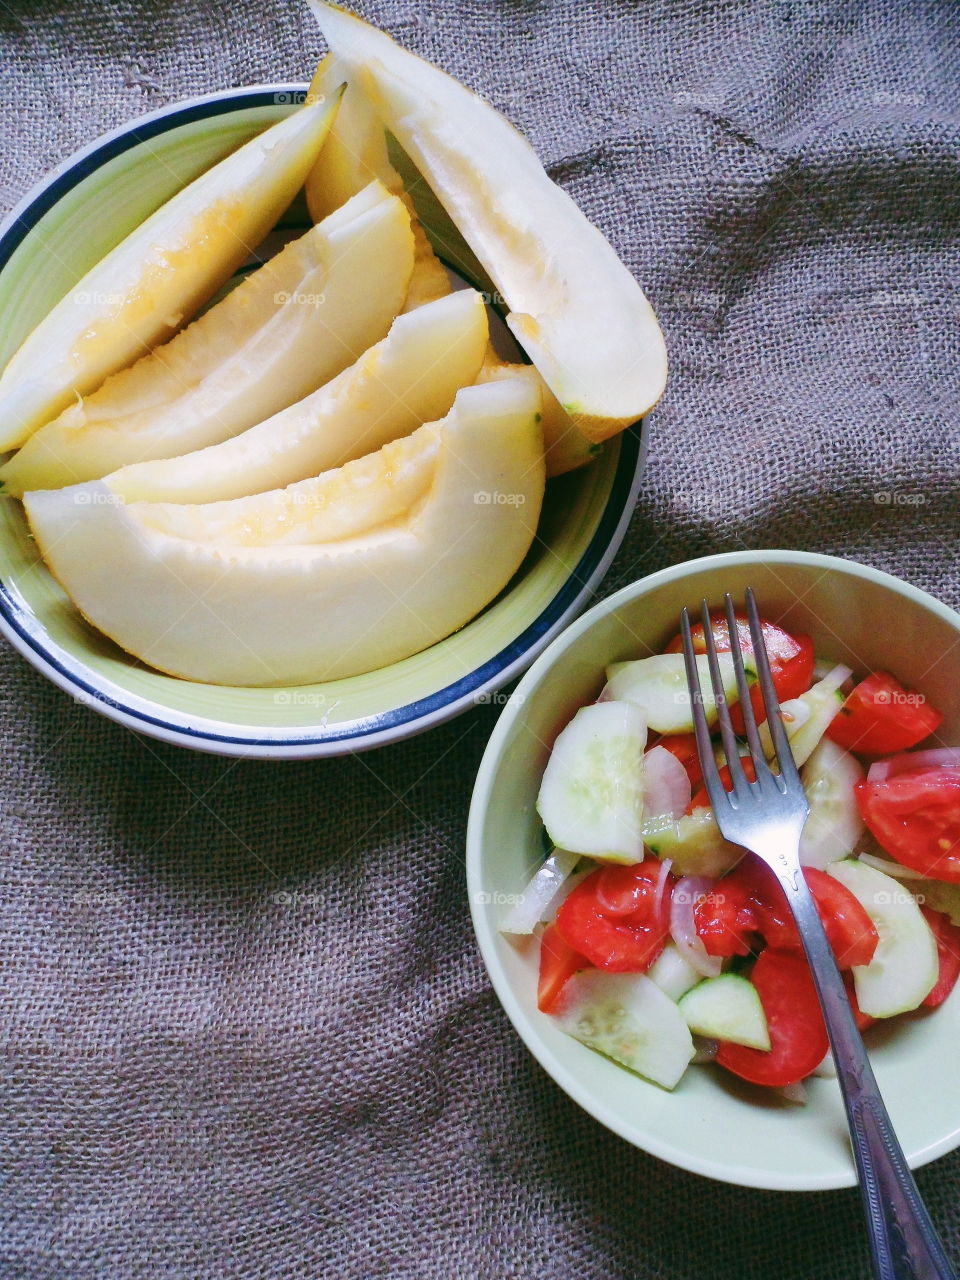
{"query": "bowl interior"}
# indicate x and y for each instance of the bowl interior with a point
(711, 1124)
(73, 221)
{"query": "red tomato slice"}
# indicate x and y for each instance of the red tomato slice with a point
(798, 1037)
(684, 747)
(748, 904)
(614, 919)
(791, 659)
(948, 947)
(558, 962)
(701, 800)
(881, 716)
(916, 819)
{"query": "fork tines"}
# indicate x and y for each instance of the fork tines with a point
(765, 777)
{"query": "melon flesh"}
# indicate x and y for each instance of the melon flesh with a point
(284, 331)
(409, 378)
(574, 307)
(354, 155)
(273, 615)
(160, 275)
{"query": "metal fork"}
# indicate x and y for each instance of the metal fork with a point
(766, 817)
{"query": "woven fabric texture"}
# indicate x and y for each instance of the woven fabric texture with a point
(246, 1032)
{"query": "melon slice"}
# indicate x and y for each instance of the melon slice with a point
(409, 378)
(574, 306)
(564, 446)
(342, 503)
(354, 155)
(161, 274)
(288, 328)
(273, 615)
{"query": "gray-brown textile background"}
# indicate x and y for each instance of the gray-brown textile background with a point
(202, 1080)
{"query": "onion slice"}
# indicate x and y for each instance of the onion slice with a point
(912, 761)
(666, 785)
(796, 1092)
(683, 929)
(534, 903)
(895, 869)
(661, 887)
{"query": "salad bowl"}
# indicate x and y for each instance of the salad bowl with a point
(64, 226)
(712, 1123)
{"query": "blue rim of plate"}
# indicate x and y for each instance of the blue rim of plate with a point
(370, 731)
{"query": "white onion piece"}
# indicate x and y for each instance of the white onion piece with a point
(827, 1067)
(794, 1093)
(662, 875)
(907, 761)
(683, 930)
(533, 903)
(666, 785)
(895, 869)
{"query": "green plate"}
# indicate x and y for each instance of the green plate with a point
(47, 244)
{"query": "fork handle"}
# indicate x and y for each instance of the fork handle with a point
(904, 1244)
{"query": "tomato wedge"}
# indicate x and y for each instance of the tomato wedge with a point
(615, 917)
(558, 962)
(798, 1036)
(948, 948)
(791, 658)
(684, 747)
(748, 905)
(915, 817)
(880, 716)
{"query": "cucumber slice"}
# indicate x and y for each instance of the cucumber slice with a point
(727, 1008)
(833, 825)
(659, 686)
(905, 965)
(693, 844)
(628, 1018)
(591, 797)
(673, 973)
(808, 717)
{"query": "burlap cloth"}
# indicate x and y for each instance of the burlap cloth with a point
(245, 1028)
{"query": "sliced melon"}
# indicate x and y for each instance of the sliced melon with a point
(565, 447)
(574, 306)
(283, 332)
(274, 615)
(355, 154)
(160, 275)
(370, 492)
(409, 378)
